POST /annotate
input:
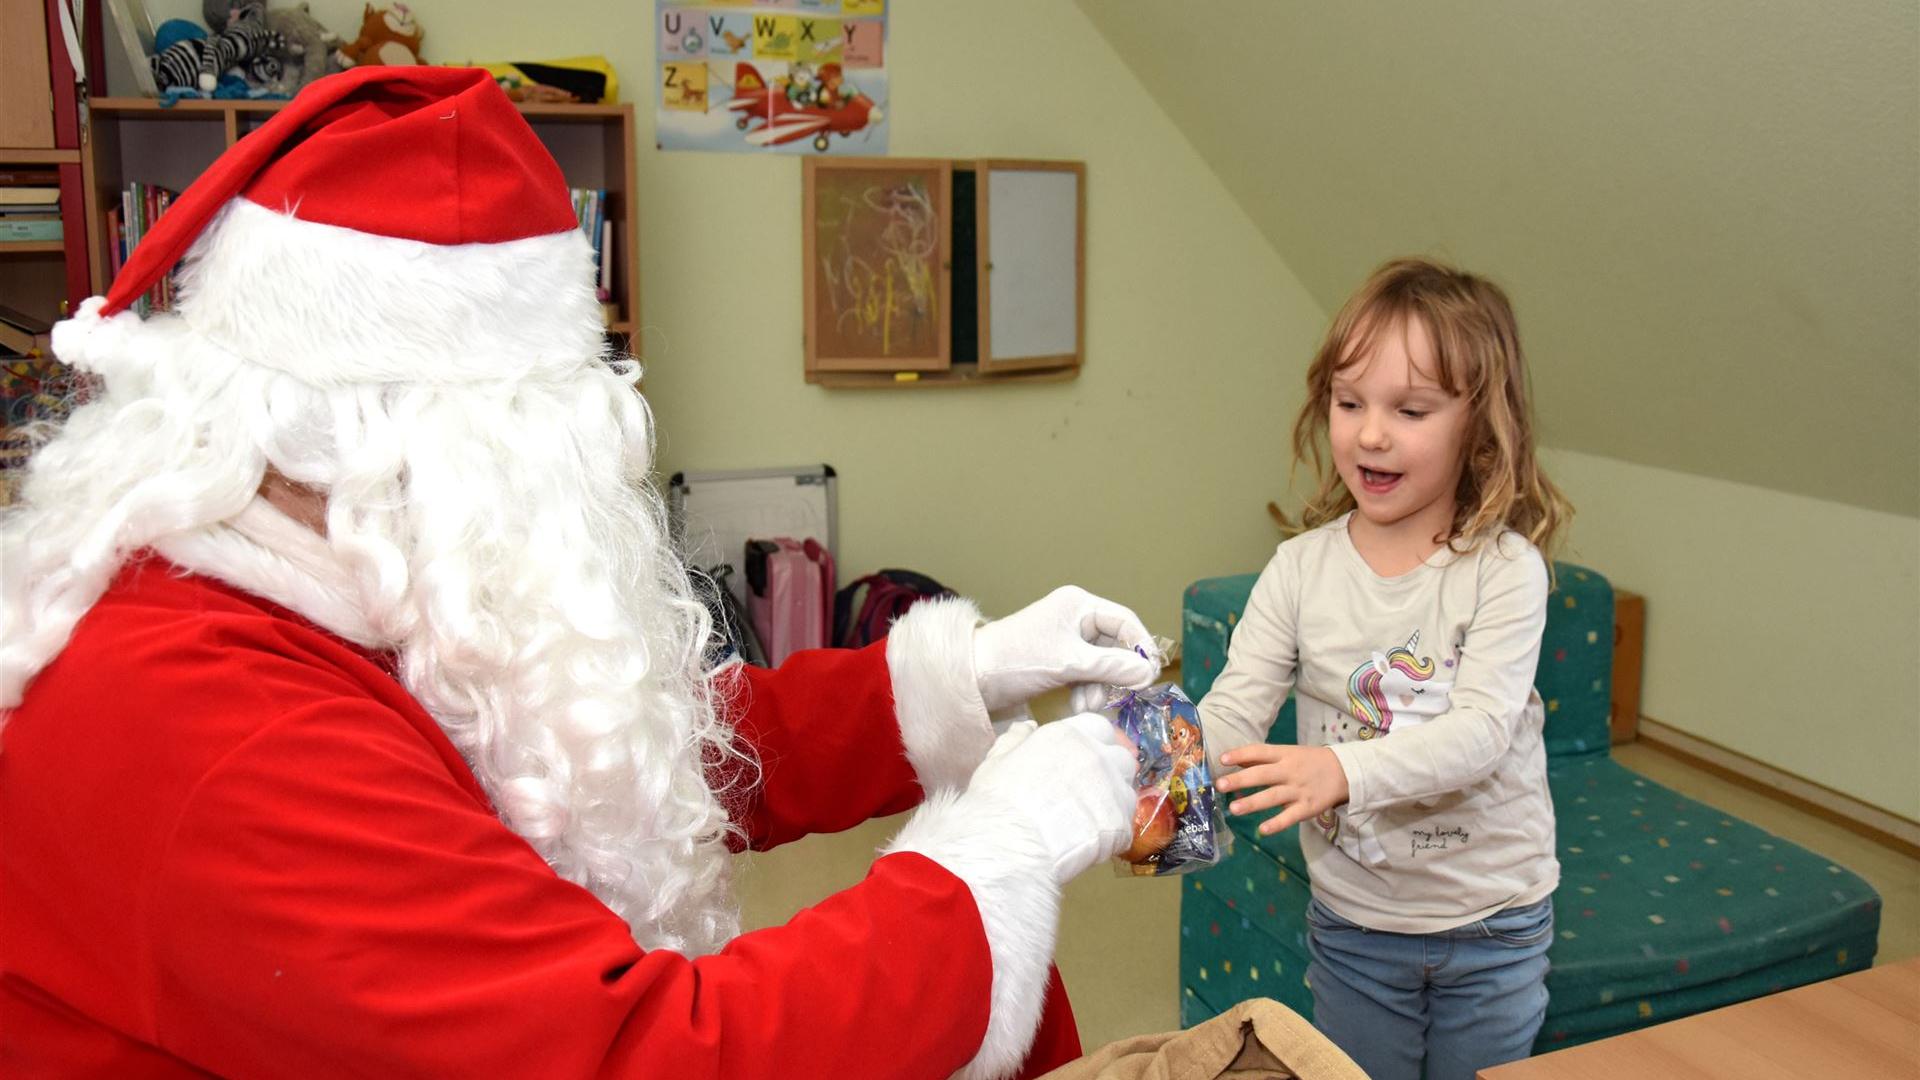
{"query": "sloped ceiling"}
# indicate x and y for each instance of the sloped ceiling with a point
(1708, 214)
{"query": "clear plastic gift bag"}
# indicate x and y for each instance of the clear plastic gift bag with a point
(1179, 825)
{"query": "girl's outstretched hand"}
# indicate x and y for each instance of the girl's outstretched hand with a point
(1307, 780)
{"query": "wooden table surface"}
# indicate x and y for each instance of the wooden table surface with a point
(1858, 1027)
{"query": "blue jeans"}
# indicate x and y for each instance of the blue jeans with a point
(1457, 1001)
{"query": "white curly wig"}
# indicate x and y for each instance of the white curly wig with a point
(488, 519)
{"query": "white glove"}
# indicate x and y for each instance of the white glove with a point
(1068, 636)
(1057, 798)
(1071, 780)
(1087, 697)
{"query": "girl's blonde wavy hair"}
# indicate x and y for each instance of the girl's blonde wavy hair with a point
(1477, 352)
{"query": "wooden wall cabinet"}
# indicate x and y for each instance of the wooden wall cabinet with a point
(40, 129)
(134, 139)
(26, 79)
(938, 272)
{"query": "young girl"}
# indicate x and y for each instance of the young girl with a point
(1408, 619)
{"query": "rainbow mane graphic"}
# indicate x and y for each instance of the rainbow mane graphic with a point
(1373, 683)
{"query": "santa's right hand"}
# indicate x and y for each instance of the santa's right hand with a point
(1071, 780)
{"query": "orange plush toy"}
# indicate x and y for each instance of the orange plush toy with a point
(389, 37)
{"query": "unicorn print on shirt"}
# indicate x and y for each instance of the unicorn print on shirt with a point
(1396, 686)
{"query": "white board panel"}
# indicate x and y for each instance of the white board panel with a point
(1033, 234)
(716, 513)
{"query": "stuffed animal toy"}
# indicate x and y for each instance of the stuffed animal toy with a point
(174, 31)
(217, 13)
(386, 37)
(311, 44)
(198, 63)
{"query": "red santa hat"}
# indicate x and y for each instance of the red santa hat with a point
(391, 224)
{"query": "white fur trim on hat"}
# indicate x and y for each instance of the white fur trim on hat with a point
(1008, 870)
(333, 306)
(943, 720)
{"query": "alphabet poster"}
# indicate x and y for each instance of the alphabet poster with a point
(787, 76)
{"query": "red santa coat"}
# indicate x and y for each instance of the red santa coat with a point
(232, 843)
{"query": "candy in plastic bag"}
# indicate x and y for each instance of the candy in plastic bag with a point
(1178, 824)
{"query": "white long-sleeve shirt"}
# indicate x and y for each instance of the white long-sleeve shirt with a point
(1422, 685)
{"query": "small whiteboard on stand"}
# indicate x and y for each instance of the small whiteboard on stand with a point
(715, 514)
(1032, 253)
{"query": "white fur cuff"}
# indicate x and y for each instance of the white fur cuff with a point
(1008, 870)
(943, 720)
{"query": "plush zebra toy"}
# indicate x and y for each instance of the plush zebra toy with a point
(245, 44)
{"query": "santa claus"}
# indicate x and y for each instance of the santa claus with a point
(356, 720)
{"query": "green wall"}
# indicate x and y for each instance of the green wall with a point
(1708, 213)
(1149, 470)
(1707, 219)
(1779, 626)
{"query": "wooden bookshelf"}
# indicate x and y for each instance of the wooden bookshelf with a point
(37, 155)
(137, 139)
(37, 276)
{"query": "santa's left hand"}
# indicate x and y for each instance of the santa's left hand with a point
(1068, 636)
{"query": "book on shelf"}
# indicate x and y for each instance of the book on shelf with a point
(22, 334)
(13, 196)
(590, 209)
(140, 206)
(604, 264)
(29, 204)
(116, 243)
(28, 230)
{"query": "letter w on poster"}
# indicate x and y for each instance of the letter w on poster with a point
(792, 77)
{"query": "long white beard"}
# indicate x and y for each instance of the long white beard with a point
(500, 538)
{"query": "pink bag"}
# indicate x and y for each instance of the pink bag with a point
(789, 595)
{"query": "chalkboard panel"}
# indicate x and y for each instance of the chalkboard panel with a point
(965, 300)
(877, 274)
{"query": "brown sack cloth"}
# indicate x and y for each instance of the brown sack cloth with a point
(1258, 1038)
